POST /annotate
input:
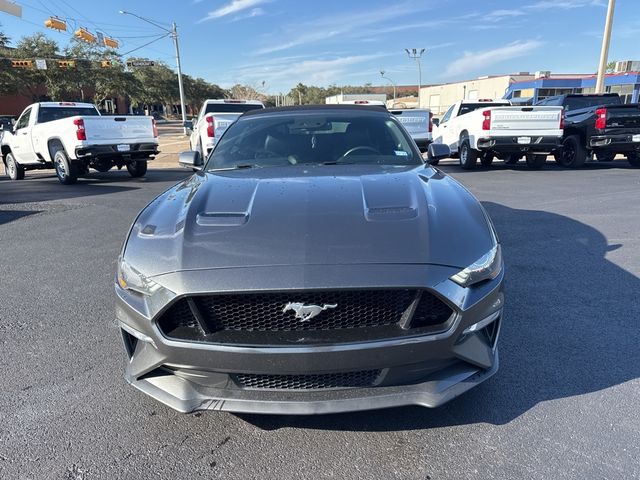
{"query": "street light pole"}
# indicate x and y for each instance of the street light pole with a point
(382, 72)
(174, 35)
(417, 55)
(604, 52)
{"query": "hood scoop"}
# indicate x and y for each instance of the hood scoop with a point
(221, 219)
(379, 214)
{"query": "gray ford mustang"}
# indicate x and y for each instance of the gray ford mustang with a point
(313, 264)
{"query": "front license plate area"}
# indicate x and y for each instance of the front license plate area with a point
(123, 148)
(524, 140)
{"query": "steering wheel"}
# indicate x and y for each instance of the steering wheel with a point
(361, 148)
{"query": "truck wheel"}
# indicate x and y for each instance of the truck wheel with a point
(137, 168)
(574, 154)
(513, 158)
(486, 159)
(536, 162)
(605, 157)
(634, 159)
(13, 170)
(468, 156)
(65, 169)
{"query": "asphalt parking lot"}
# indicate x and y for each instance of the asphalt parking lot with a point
(563, 405)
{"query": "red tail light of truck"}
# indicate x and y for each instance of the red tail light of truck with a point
(601, 118)
(155, 128)
(81, 133)
(562, 113)
(211, 132)
(430, 122)
(486, 123)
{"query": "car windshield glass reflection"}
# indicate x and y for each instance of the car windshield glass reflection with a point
(313, 138)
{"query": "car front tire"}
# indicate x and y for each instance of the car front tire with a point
(536, 162)
(13, 170)
(513, 158)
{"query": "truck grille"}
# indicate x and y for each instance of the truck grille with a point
(251, 317)
(362, 378)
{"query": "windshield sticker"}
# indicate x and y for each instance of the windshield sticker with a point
(401, 153)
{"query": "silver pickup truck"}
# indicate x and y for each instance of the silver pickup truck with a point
(417, 122)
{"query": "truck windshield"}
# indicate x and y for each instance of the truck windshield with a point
(307, 138)
(230, 107)
(575, 103)
(49, 114)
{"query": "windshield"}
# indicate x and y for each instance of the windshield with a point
(575, 103)
(49, 114)
(314, 138)
(230, 107)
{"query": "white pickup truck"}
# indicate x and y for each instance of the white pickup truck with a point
(73, 137)
(214, 118)
(417, 122)
(485, 129)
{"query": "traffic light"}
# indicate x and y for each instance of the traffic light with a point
(56, 24)
(66, 64)
(21, 63)
(110, 42)
(85, 35)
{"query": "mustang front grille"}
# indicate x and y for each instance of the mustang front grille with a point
(362, 378)
(282, 317)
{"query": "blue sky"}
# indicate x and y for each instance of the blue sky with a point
(283, 42)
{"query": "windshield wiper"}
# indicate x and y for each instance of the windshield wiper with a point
(241, 166)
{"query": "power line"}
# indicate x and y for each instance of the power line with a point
(164, 35)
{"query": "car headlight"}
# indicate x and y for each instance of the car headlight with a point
(486, 267)
(131, 279)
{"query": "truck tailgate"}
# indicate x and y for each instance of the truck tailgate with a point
(416, 122)
(523, 119)
(623, 116)
(222, 121)
(119, 129)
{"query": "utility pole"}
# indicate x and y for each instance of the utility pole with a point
(382, 72)
(173, 33)
(604, 52)
(416, 54)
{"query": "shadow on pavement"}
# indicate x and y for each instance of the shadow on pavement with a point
(571, 328)
(42, 187)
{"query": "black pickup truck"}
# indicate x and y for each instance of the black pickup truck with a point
(597, 124)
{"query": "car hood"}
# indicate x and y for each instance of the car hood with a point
(315, 215)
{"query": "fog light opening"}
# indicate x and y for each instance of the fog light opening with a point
(488, 327)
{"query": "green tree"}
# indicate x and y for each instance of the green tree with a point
(4, 40)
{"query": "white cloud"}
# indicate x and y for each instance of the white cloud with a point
(348, 23)
(564, 4)
(498, 15)
(255, 12)
(480, 61)
(234, 6)
(285, 71)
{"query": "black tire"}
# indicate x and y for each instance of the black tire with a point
(634, 159)
(536, 161)
(468, 156)
(605, 157)
(573, 154)
(137, 168)
(12, 168)
(486, 159)
(66, 170)
(513, 158)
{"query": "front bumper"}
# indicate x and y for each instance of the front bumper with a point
(621, 143)
(537, 144)
(426, 370)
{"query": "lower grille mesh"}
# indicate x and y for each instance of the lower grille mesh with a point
(361, 378)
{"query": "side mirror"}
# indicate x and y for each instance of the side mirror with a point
(188, 124)
(190, 159)
(437, 151)
(435, 121)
